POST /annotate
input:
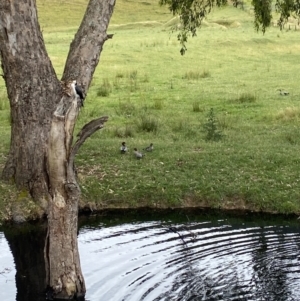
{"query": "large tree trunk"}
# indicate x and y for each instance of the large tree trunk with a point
(43, 114)
(32, 89)
(61, 251)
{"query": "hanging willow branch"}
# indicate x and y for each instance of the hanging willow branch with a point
(262, 13)
(287, 8)
(192, 12)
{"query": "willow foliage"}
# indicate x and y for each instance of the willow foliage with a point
(192, 13)
(287, 8)
(262, 14)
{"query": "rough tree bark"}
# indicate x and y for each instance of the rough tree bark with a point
(43, 114)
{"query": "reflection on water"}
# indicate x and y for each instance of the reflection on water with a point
(26, 261)
(184, 255)
(7, 271)
(193, 259)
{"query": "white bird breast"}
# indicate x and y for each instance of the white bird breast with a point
(73, 88)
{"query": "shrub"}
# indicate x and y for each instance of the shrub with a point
(205, 74)
(128, 131)
(246, 98)
(196, 106)
(105, 89)
(211, 128)
(194, 75)
(289, 113)
(148, 124)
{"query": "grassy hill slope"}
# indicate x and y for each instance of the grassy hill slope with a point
(153, 94)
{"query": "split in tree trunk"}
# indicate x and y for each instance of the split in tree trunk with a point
(61, 251)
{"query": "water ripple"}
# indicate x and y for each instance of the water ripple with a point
(155, 261)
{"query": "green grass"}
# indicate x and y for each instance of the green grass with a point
(153, 94)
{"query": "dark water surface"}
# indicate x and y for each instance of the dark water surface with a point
(181, 255)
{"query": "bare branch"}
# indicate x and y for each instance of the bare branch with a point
(87, 130)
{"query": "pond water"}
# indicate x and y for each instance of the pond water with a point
(181, 255)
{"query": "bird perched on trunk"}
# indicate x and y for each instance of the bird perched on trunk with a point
(149, 148)
(123, 148)
(137, 154)
(79, 92)
(283, 92)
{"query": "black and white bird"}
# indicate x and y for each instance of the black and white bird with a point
(149, 148)
(283, 92)
(137, 154)
(123, 148)
(78, 91)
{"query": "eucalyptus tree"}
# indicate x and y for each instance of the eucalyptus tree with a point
(44, 111)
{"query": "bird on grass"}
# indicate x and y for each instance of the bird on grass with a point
(283, 92)
(149, 148)
(137, 154)
(123, 148)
